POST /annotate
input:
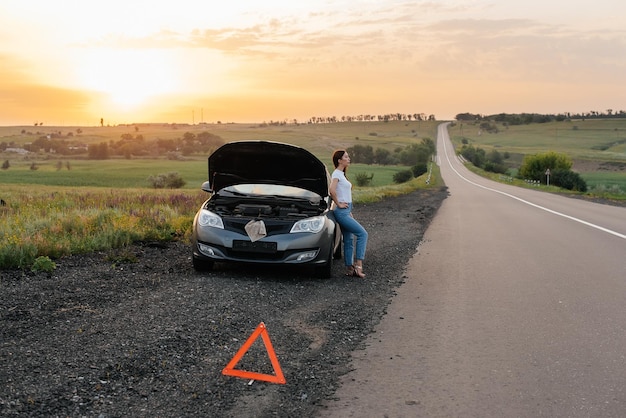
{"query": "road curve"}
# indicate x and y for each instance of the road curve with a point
(514, 306)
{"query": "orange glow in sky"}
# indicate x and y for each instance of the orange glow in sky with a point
(76, 61)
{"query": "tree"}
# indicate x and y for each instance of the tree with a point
(382, 156)
(534, 166)
(476, 156)
(363, 154)
(98, 151)
(189, 137)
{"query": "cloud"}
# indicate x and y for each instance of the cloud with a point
(522, 49)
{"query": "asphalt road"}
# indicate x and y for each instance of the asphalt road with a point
(514, 306)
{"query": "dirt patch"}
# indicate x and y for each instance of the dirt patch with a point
(150, 338)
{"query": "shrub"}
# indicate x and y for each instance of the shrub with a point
(419, 169)
(569, 180)
(495, 167)
(476, 156)
(363, 179)
(43, 264)
(402, 176)
(171, 180)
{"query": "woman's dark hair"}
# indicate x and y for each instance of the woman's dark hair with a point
(338, 155)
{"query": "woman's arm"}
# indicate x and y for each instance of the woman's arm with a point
(332, 191)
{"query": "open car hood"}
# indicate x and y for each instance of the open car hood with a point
(266, 162)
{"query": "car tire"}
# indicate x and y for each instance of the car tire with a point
(337, 252)
(325, 271)
(202, 265)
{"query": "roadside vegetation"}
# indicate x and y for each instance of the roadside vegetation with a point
(53, 222)
(586, 154)
(76, 203)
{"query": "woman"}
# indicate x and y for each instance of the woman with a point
(341, 193)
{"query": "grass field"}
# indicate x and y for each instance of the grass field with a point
(121, 173)
(320, 139)
(595, 139)
(589, 143)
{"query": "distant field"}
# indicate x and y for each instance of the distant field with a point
(602, 140)
(588, 142)
(597, 147)
(605, 179)
(317, 138)
(320, 139)
(121, 173)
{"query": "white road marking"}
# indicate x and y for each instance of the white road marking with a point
(598, 227)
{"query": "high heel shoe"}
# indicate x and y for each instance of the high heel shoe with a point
(358, 272)
(350, 271)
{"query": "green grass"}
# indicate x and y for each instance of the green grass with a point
(57, 221)
(610, 185)
(121, 173)
(584, 141)
(115, 173)
(578, 138)
(319, 139)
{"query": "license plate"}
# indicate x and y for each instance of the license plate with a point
(256, 246)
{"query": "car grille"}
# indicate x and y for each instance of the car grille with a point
(272, 227)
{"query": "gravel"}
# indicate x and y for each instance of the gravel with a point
(137, 332)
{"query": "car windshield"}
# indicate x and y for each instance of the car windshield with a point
(272, 190)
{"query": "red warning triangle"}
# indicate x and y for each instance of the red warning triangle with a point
(229, 370)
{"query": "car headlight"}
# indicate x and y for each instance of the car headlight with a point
(313, 225)
(208, 218)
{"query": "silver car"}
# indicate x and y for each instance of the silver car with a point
(269, 203)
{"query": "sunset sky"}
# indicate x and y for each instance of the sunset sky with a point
(73, 62)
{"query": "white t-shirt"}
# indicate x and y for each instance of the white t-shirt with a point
(344, 187)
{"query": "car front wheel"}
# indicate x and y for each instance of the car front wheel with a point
(325, 271)
(202, 265)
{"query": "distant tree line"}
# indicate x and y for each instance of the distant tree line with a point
(409, 155)
(527, 118)
(357, 118)
(127, 146)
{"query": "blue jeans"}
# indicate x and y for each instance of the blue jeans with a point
(350, 229)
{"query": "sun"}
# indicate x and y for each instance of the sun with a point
(128, 78)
